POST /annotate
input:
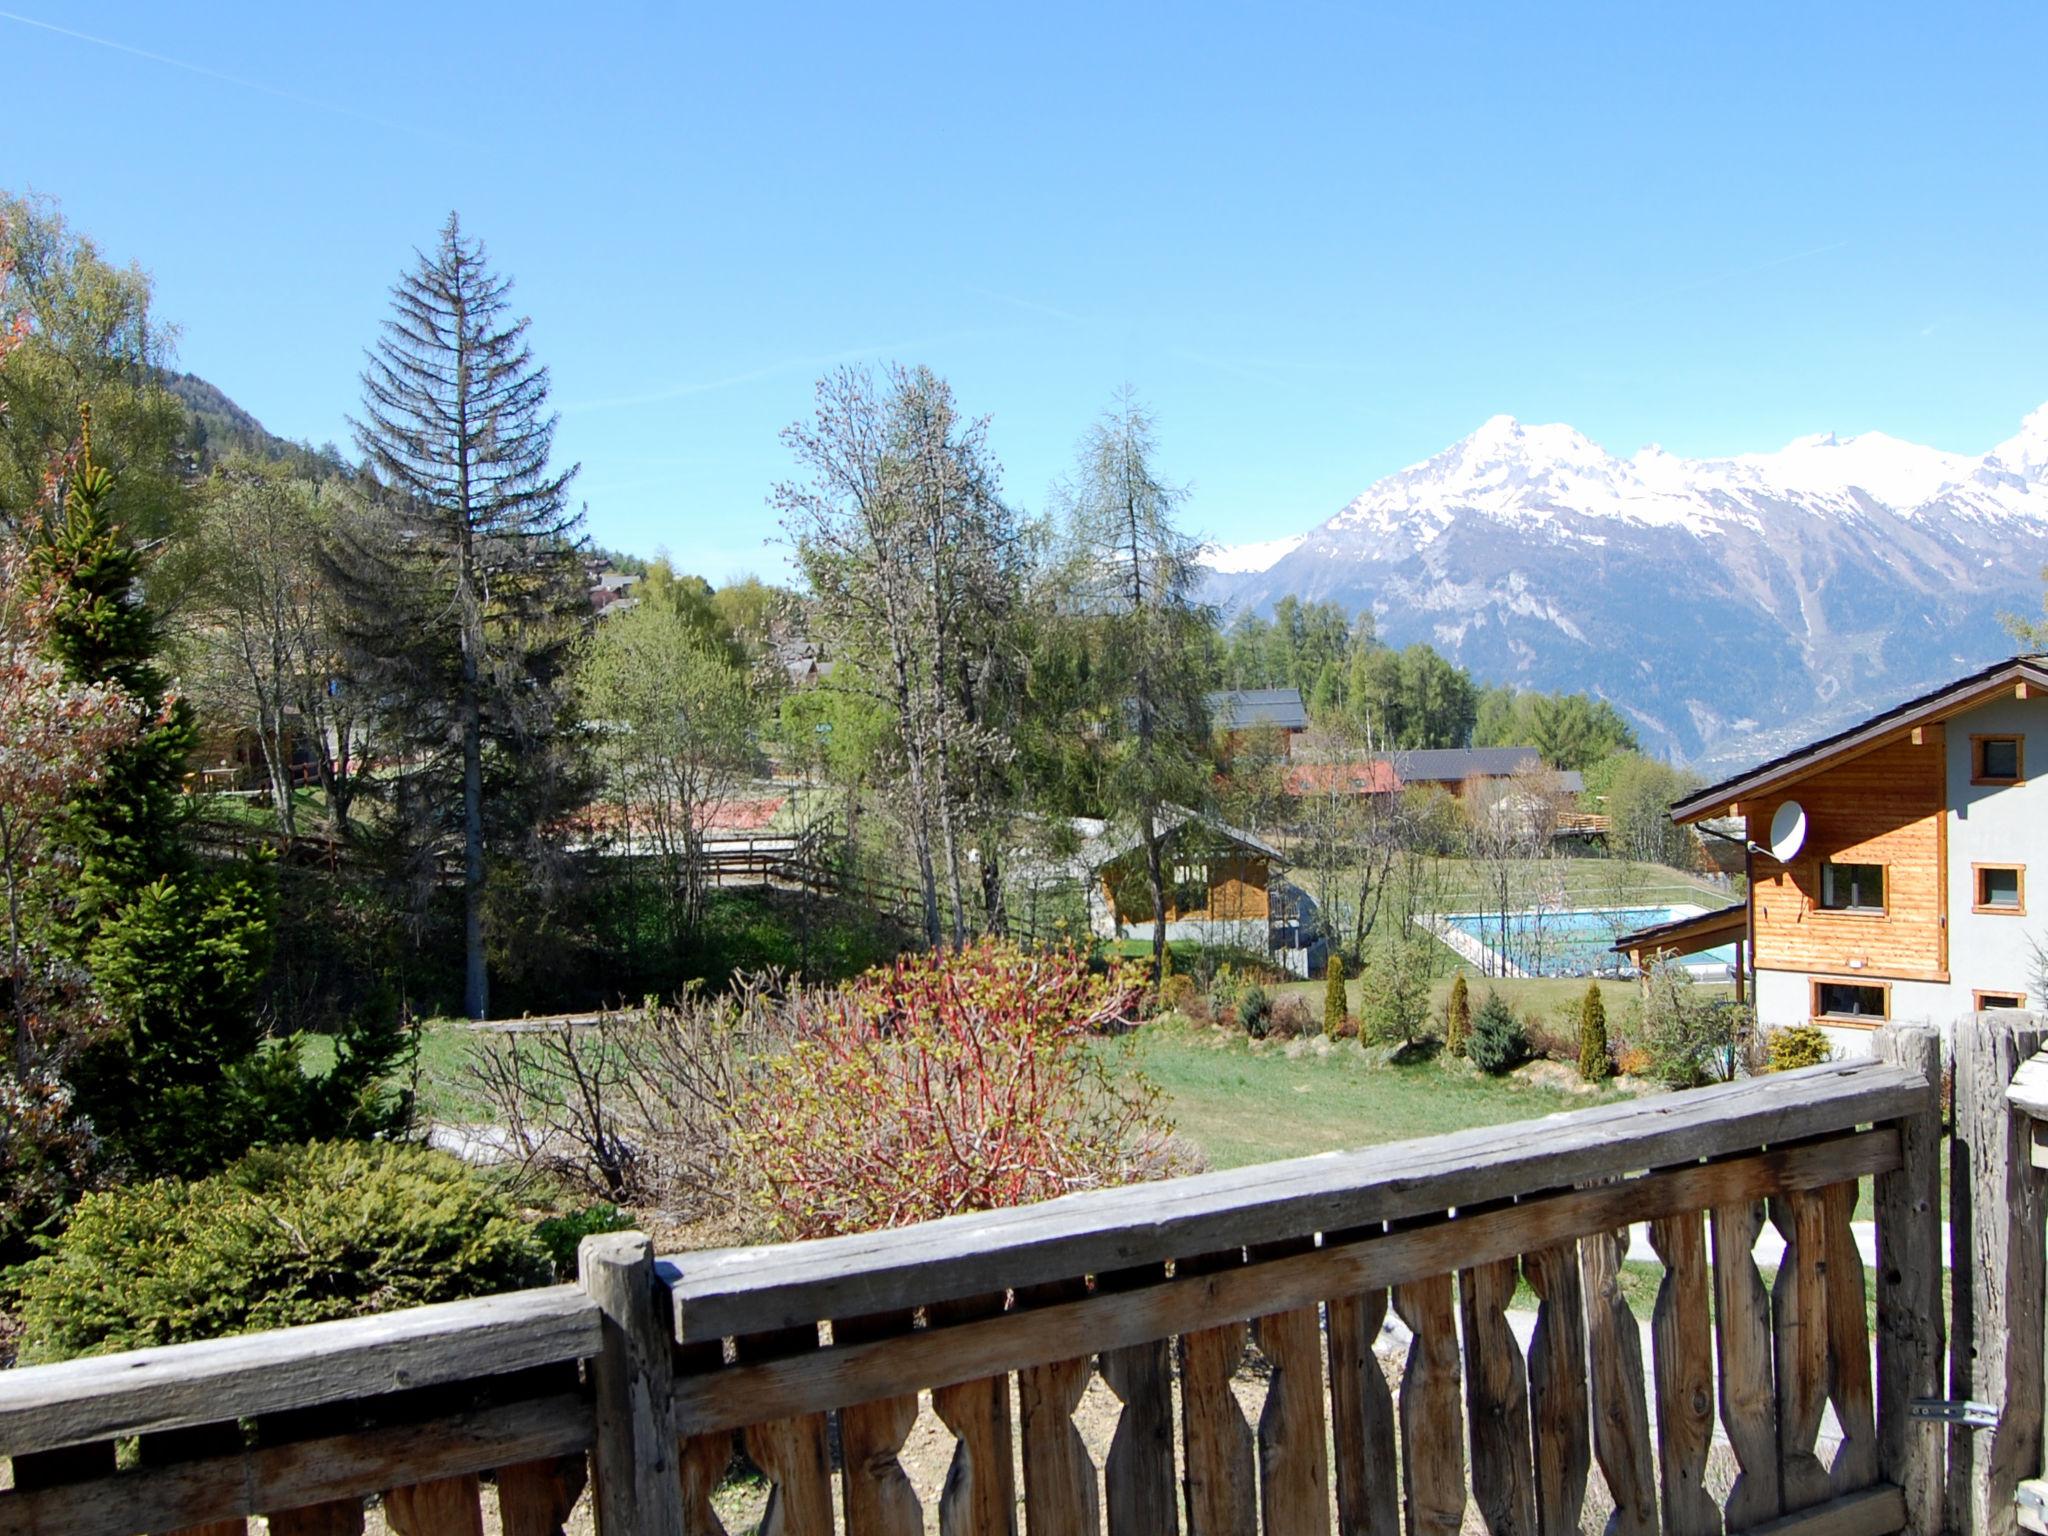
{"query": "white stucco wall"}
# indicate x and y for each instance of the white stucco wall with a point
(1786, 997)
(1990, 824)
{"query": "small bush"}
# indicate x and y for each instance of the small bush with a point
(951, 1081)
(1335, 1004)
(1177, 993)
(1687, 1040)
(1799, 1045)
(1594, 1063)
(285, 1235)
(1291, 1019)
(1254, 1010)
(1497, 1043)
(1347, 1028)
(1457, 1017)
(1555, 1036)
(563, 1235)
(1393, 1003)
(1196, 1009)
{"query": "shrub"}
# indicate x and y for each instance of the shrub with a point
(1177, 993)
(1254, 1010)
(1347, 1028)
(1497, 1043)
(1457, 1017)
(1686, 1040)
(1290, 1019)
(1394, 993)
(562, 1235)
(1335, 1004)
(1799, 1045)
(1554, 1036)
(284, 1235)
(1594, 1064)
(951, 1081)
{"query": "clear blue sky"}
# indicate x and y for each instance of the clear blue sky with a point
(1322, 242)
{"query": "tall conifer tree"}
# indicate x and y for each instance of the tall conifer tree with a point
(464, 596)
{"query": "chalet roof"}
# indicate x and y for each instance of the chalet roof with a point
(1105, 842)
(1687, 935)
(1244, 709)
(1373, 776)
(1453, 765)
(1949, 699)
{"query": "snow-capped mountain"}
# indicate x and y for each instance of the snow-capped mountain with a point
(1730, 606)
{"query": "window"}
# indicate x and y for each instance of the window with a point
(2000, 888)
(1986, 1000)
(1852, 887)
(1850, 1000)
(1996, 760)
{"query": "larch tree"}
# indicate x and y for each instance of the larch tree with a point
(1135, 579)
(463, 597)
(912, 558)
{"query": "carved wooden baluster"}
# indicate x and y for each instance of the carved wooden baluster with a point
(1139, 1495)
(1560, 1421)
(171, 1446)
(339, 1517)
(1294, 1479)
(446, 1506)
(1749, 1394)
(875, 1490)
(1621, 1416)
(1799, 1329)
(1497, 1401)
(1362, 1419)
(702, 1460)
(1682, 1344)
(1060, 1496)
(535, 1497)
(1850, 1388)
(980, 1496)
(1217, 1456)
(1432, 1410)
(792, 1453)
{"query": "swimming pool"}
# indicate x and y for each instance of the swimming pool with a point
(1569, 943)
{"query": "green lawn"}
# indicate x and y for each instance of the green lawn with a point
(1240, 1101)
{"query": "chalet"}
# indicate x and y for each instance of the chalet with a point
(1456, 768)
(1224, 887)
(1237, 712)
(1888, 863)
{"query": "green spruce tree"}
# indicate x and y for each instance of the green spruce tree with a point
(1334, 1003)
(176, 950)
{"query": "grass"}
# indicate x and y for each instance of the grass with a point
(1241, 1101)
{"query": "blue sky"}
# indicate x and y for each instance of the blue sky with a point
(1322, 242)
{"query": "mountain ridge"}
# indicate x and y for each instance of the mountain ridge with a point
(1724, 604)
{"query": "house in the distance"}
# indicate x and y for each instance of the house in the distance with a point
(1459, 769)
(1235, 713)
(1225, 886)
(1889, 863)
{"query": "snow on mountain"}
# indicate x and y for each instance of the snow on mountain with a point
(1727, 604)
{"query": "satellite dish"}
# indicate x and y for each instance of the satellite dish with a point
(1788, 831)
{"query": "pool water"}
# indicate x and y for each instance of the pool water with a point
(1576, 943)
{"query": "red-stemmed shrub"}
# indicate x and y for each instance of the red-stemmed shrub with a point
(948, 1082)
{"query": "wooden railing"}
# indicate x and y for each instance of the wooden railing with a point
(815, 1358)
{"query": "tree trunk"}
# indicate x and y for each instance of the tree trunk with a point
(1155, 871)
(476, 986)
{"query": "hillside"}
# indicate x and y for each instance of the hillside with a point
(1728, 607)
(221, 428)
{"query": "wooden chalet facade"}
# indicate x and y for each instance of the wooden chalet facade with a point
(1907, 900)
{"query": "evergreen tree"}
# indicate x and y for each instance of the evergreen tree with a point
(1457, 1017)
(176, 950)
(1594, 1065)
(463, 599)
(1335, 1005)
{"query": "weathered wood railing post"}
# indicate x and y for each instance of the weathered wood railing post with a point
(636, 1483)
(1910, 1334)
(1995, 1216)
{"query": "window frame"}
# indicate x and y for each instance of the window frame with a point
(1979, 905)
(2019, 749)
(1884, 875)
(1847, 1020)
(1978, 1005)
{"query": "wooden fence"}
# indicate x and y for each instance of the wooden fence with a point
(815, 1357)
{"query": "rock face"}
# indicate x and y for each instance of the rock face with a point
(1729, 607)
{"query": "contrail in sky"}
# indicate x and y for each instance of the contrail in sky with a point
(203, 71)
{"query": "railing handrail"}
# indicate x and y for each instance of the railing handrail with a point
(172, 1386)
(724, 1293)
